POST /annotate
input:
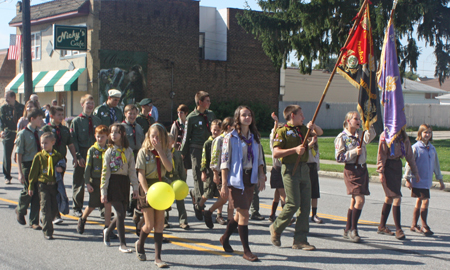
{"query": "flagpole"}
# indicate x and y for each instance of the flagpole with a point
(357, 20)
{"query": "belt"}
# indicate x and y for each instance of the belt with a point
(48, 183)
(247, 171)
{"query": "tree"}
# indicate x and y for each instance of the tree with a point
(317, 29)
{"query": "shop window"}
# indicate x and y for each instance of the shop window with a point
(36, 46)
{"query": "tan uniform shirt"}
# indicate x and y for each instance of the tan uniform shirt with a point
(345, 146)
(146, 161)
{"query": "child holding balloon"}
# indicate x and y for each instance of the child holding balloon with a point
(118, 170)
(154, 159)
(242, 169)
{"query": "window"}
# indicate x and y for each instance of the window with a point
(201, 46)
(430, 96)
(36, 46)
(65, 53)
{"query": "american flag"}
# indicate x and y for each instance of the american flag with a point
(14, 47)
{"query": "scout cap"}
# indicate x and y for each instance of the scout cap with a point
(114, 93)
(145, 101)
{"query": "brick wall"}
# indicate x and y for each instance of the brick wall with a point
(169, 32)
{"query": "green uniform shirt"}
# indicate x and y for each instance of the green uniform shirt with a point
(79, 130)
(178, 172)
(66, 139)
(287, 138)
(9, 115)
(103, 112)
(146, 161)
(94, 163)
(138, 134)
(145, 121)
(26, 143)
(39, 169)
(197, 131)
(206, 155)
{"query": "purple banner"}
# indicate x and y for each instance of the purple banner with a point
(391, 87)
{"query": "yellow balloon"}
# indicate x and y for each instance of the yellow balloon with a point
(160, 196)
(181, 189)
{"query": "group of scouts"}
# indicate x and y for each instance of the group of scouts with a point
(113, 149)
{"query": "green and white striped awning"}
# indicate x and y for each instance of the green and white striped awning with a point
(52, 81)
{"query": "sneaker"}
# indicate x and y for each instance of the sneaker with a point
(345, 234)
(77, 213)
(7, 181)
(272, 218)
(80, 225)
(20, 218)
(274, 237)
(354, 236)
(57, 221)
(36, 227)
(48, 237)
(303, 246)
(198, 212)
(184, 226)
(208, 218)
(221, 220)
(384, 230)
(400, 235)
(316, 219)
(257, 216)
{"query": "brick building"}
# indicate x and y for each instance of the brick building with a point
(178, 46)
(7, 71)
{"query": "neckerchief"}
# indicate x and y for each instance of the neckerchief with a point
(58, 133)
(134, 130)
(249, 143)
(50, 167)
(206, 119)
(297, 131)
(122, 154)
(36, 138)
(112, 115)
(402, 147)
(101, 150)
(158, 163)
(180, 129)
(147, 117)
(91, 126)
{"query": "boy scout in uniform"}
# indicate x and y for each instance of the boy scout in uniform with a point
(198, 125)
(108, 112)
(63, 140)
(144, 119)
(42, 173)
(287, 146)
(82, 130)
(27, 145)
(9, 115)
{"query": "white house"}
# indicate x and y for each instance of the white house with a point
(419, 93)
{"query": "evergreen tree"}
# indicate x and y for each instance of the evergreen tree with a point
(317, 29)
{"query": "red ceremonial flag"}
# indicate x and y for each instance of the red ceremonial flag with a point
(14, 47)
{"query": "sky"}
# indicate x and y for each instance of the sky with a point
(8, 10)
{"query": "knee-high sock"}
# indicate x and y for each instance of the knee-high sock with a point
(314, 211)
(158, 237)
(356, 213)
(416, 215)
(119, 221)
(349, 220)
(274, 208)
(423, 216)
(397, 217)
(142, 237)
(385, 214)
(243, 234)
(231, 227)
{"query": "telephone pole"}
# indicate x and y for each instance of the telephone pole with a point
(26, 52)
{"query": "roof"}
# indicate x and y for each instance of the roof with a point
(446, 96)
(52, 9)
(410, 86)
(435, 83)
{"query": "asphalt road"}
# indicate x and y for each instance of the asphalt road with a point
(199, 247)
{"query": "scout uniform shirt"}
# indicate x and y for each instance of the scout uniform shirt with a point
(62, 135)
(135, 135)
(43, 168)
(27, 144)
(399, 149)
(345, 146)
(145, 121)
(206, 155)
(9, 115)
(177, 131)
(94, 163)
(82, 135)
(107, 114)
(216, 152)
(288, 137)
(178, 172)
(198, 129)
(147, 161)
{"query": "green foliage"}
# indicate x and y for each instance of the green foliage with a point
(411, 75)
(317, 29)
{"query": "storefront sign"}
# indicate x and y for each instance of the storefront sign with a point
(67, 37)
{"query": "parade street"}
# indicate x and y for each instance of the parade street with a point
(199, 247)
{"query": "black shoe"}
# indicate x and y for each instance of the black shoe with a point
(80, 225)
(257, 216)
(272, 218)
(208, 219)
(198, 212)
(112, 235)
(20, 218)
